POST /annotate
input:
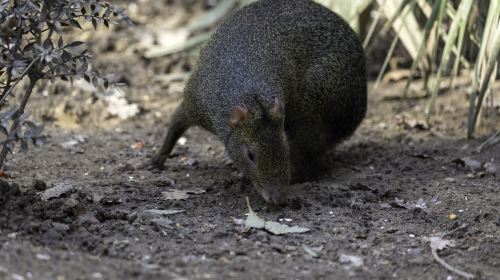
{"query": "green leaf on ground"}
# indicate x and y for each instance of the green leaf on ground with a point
(254, 221)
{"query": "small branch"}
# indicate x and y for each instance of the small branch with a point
(462, 226)
(451, 268)
(18, 113)
(59, 75)
(492, 140)
(67, 60)
(434, 251)
(94, 17)
(17, 82)
(51, 31)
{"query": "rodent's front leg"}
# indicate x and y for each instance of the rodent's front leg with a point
(180, 123)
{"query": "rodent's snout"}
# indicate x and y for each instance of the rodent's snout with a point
(274, 196)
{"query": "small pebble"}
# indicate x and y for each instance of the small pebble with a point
(3, 270)
(17, 277)
(43, 257)
(39, 185)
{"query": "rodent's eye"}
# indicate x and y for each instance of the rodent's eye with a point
(249, 154)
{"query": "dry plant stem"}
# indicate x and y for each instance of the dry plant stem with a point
(20, 111)
(445, 264)
(482, 92)
(462, 226)
(386, 61)
(371, 31)
(462, 14)
(481, 75)
(387, 26)
(404, 13)
(492, 140)
(451, 268)
(461, 35)
(425, 64)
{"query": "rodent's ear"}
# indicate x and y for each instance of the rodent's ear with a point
(239, 114)
(277, 110)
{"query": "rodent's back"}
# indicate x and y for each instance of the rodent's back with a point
(301, 28)
(267, 46)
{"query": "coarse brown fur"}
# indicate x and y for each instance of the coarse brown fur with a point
(280, 82)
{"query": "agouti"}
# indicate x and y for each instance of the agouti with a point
(280, 82)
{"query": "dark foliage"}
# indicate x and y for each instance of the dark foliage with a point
(33, 48)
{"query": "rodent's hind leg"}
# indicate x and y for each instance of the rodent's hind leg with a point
(306, 170)
(180, 123)
(308, 140)
(306, 166)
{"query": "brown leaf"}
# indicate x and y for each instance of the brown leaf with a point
(138, 145)
(4, 175)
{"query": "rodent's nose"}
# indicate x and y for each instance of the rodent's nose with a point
(276, 197)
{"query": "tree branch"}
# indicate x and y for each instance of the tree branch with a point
(16, 116)
(17, 82)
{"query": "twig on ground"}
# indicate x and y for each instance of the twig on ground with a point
(449, 267)
(462, 226)
(174, 77)
(492, 140)
(437, 243)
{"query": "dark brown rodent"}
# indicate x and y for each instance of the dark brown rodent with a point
(280, 82)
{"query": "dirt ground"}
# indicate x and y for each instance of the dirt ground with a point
(389, 188)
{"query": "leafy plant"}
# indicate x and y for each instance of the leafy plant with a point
(33, 49)
(448, 25)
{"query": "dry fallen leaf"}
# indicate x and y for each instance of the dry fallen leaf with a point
(313, 252)
(56, 191)
(119, 106)
(4, 175)
(277, 228)
(437, 243)
(396, 75)
(139, 145)
(158, 212)
(411, 124)
(163, 222)
(491, 168)
(351, 260)
(75, 140)
(64, 118)
(175, 194)
(469, 163)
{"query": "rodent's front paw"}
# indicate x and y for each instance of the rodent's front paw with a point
(152, 164)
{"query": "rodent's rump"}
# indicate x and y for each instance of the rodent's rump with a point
(280, 82)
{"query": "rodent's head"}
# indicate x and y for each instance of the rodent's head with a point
(259, 148)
